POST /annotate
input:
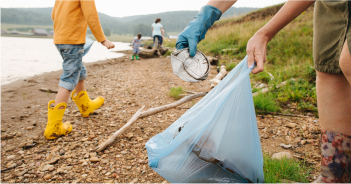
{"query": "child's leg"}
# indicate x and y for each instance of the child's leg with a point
(62, 96)
(334, 107)
(81, 98)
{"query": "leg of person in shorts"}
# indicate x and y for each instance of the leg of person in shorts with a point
(331, 50)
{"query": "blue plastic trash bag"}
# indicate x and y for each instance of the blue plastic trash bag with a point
(88, 43)
(216, 140)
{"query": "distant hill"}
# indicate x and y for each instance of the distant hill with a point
(174, 21)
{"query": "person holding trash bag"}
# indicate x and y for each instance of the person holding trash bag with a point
(332, 58)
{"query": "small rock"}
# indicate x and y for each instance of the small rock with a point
(11, 157)
(84, 175)
(285, 146)
(88, 180)
(85, 163)
(11, 148)
(109, 181)
(124, 152)
(303, 142)
(94, 159)
(54, 160)
(10, 165)
(142, 161)
(48, 176)
(21, 173)
(30, 128)
(292, 125)
(20, 152)
(281, 155)
(104, 161)
(85, 139)
(129, 135)
(5, 137)
(46, 167)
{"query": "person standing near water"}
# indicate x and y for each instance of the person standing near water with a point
(157, 30)
(71, 19)
(332, 61)
(135, 45)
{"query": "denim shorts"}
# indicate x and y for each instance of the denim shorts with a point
(73, 67)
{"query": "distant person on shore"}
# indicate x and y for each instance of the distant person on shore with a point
(135, 45)
(157, 30)
(70, 25)
(332, 61)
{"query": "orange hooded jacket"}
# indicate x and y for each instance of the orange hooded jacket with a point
(71, 19)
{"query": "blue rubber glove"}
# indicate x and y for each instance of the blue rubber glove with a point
(197, 29)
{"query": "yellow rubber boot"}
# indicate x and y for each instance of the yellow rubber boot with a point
(55, 128)
(85, 104)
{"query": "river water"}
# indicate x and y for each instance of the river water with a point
(26, 57)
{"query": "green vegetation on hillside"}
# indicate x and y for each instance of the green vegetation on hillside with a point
(173, 22)
(289, 56)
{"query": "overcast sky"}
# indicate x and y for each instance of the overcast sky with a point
(122, 8)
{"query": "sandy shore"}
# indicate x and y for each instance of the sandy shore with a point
(126, 86)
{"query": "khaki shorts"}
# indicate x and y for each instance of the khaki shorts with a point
(331, 29)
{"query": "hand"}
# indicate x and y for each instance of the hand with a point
(196, 30)
(256, 51)
(108, 44)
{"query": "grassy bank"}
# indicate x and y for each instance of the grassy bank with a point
(289, 56)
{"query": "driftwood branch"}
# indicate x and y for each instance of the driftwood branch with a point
(219, 77)
(282, 114)
(149, 112)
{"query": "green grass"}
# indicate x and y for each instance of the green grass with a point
(175, 92)
(230, 66)
(289, 55)
(276, 170)
(266, 102)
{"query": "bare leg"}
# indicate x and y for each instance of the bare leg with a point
(80, 86)
(62, 96)
(334, 98)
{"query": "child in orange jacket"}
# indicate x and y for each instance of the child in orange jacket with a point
(71, 19)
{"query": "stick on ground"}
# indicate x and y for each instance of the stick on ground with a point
(149, 112)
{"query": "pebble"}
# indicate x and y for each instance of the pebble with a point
(285, 146)
(48, 176)
(303, 142)
(30, 128)
(54, 160)
(292, 125)
(76, 181)
(21, 173)
(281, 155)
(124, 152)
(109, 181)
(11, 157)
(142, 161)
(88, 180)
(94, 159)
(85, 163)
(104, 161)
(84, 175)
(11, 148)
(46, 167)
(5, 137)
